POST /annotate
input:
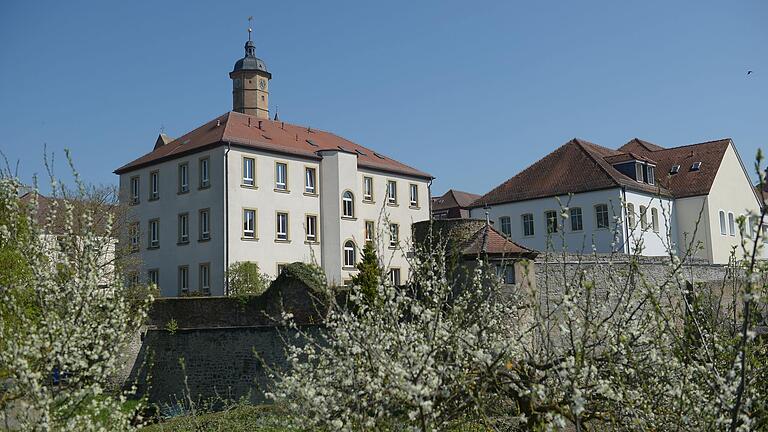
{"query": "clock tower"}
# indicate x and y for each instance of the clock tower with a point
(250, 83)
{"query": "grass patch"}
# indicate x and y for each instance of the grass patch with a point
(241, 418)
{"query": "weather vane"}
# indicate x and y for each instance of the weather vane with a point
(250, 18)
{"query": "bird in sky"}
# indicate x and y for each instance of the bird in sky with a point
(749, 72)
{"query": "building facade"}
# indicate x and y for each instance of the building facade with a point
(242, 187)
(640, 198)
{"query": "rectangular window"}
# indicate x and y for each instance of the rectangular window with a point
(153, 277)
(281, 176)
(414, 195)
(369, 230)
(601, 216)
(528, 225)
(394, 235)
(154, 233)
(154, 185)
(550, 216)
(643, 218)
(639, 172)
(135, 190)
(506, 225)
(133, 234)
(394, 276)
(249, 223)
(281, 226)
(368, 189)
(391, 192)
(183, 280)
(205, 178)
(184, 228)
(249, 171)
(205, 279)
(655, 219)
(631, 215)
(651, 175)
(309, 180)
(205, 224)
(184, 178)
(506, 272)
(577, 221)
(311, 228)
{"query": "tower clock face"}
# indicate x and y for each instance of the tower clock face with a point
(262, 83)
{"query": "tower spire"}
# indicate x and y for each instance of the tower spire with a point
(250, 29)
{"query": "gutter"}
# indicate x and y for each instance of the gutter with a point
(226, 219)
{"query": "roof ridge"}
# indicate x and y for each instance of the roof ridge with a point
(591, 156)
(696, 144)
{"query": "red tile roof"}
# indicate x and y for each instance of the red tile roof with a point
(273, 136)
(576, 166)
(686, 182)
(489, 241)
(453, 198)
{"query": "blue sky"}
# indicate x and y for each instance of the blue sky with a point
(471, 92)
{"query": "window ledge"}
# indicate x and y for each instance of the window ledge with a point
(349, 218)
(311, 242)
(414, 207)
(349, 268)
(200, 240)
(182, 192)
(153, 198)
(153, 247)
(367, 201)
(393, 247)
(204, 187)
(245, 186)
(282, 241)
(249, 238)
(393, 205)
(285, 191)
(311, 194)
(182, 243)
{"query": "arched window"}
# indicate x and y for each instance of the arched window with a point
(348, 204)
(731, 224)
(349, 253)
(722, 223)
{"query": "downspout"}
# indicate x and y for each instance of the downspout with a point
(625, 219)
(226, 219)
(429, 194)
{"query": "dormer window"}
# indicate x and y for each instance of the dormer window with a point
(645, 173)
(696, 166)
(675, 169)
(639, 172)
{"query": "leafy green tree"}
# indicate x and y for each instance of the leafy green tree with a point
(369, 273)
(245, 278)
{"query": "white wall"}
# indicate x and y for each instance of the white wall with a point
(693, 227)
(382, 213)
(169, 256)
(265, 250)
(732, 191)
(650, 242)
(575, 241)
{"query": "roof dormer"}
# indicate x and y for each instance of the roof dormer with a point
(638, 168)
